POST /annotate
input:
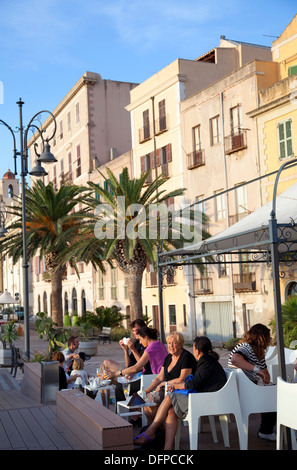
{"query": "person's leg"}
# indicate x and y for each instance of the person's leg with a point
(170, 429)
(158, 421)
(268, 421)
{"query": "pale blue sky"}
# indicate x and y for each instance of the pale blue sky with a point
(46, 45)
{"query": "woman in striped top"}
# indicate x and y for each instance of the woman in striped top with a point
(249, 355)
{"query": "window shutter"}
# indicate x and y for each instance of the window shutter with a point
(153, 160)
(158, 157)
(168, 153)
(142, 164)
(292, 70)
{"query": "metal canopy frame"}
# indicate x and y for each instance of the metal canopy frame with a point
(271, 242)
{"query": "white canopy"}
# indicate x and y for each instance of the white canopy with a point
(6, 298)
(252, 232)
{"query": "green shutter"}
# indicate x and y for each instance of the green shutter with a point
(292, 70)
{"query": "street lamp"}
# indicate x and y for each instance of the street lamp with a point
(45, 157)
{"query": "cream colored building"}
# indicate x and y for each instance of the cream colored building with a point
(93, 129)
(157, 109)
(276, 121)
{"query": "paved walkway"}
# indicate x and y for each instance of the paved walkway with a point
(34, 413)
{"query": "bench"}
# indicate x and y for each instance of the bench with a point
(105, 334)
(90, 424)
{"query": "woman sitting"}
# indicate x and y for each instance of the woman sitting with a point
(155, 353)
(209, 377)
(178, 364)
(65, 380)
(249, 355)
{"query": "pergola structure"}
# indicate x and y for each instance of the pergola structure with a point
(269, 235)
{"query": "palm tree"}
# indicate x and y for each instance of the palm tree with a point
(49, 214)
(126, 237)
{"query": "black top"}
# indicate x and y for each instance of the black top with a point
(209, 376)
(185, 361)
(140, 349)
(62, 378)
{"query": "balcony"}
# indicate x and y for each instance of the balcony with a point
(245, 282)
(236, 142)
(195, 159)
(145, 133)
(203, 285)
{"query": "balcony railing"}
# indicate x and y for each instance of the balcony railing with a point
(236, 142)
(203, 285)
(245, 282)
(195, 159)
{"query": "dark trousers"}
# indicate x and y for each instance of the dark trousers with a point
(268, 421)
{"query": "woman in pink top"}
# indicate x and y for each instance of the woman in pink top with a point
(155, 353)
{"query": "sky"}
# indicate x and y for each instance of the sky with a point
(47, 45)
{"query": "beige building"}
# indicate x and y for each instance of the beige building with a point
(276, 121)
(159, 129)
(93, 129)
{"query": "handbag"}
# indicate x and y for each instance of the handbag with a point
(186, 391)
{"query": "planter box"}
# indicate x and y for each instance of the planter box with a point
(5, 357)
(88, 347)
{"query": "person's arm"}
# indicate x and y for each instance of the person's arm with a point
(182, 377)
(133, 349)
(156, 382)
(239, 361)
(133, 369)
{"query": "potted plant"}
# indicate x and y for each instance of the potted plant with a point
(67, 319)
(86, 343)
(57, 337)
(75, 318)
(7, 337)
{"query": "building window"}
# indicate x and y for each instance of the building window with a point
(146, 124)
(77, 117)
(223, 266)
(172, 317)
(61, 129)
(83, 302)
(197, 138)
(241, 202)
(220, 209)
(78, 161)
(162, 116)
(285, 141)
(236, 120)
(74, 301)
(66, 307)
(113, 284)
(70, 166)
(215, 130)
(68, 121)
(45, 302)
(101, 286)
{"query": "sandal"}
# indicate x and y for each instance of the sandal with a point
(143, 434)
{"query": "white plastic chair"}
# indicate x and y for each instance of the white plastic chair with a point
(286, 411)
(271, 352)
(273, 366)
(253, 399)
(220, 403)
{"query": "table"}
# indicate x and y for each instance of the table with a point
(130, 408)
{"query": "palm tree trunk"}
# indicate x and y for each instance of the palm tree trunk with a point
(56, 287)
(134, 285)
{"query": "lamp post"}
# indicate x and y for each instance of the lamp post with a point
(45, 157)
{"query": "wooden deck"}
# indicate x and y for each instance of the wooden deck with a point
(26, 424)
